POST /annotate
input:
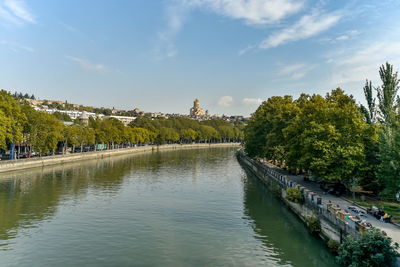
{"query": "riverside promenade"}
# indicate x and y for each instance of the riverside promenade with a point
(22, 164)
(392, 231)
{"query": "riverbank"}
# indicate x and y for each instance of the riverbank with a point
(22, 164)
(332, 212)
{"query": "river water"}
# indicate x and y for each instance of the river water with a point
(172, 208)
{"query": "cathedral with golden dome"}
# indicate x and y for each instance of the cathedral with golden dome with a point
(196, 110)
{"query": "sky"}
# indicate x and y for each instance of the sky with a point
(159, 55)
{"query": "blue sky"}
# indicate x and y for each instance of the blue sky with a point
(158, 55)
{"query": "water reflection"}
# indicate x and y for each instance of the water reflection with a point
(271, 220)
(190, 207)
(30, 196)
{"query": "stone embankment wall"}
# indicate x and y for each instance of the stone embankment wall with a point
(21, 164)
(332, 226)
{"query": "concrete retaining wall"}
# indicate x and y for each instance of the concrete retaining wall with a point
(332, 227)
(21, 164)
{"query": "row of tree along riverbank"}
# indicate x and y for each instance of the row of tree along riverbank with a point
(332, 138)
(25, 131)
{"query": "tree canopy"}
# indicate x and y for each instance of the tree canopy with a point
(332, 137)
(44, 133)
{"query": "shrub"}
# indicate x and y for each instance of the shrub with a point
(313, 224)
(294, 195)
(275, 189)
(333, 246)
(372, 249)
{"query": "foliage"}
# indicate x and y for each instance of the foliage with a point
(313, 224)
(373, 249)
(387, 93)
(370, 112)
(45, 133)
(333, 246)
(332, 137)
(382, 156)
(12, 120)
(310, 134)
(187, 130)
(389, 155)
(294, 195)
(62, 116)
(21, 96)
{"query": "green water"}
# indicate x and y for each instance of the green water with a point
(177, 208)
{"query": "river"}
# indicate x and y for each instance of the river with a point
(172, 208)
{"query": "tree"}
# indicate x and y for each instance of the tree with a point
(370, 112)
(373, 249)
(13, 119)
(207, 133)
(45, 131)
(167, 135)
(5, 124)
(188, 135)
(383, 156)
(62, 116)
(71, 136)
(319, 140)
(387, 93)
(389, 156)
(322, 135)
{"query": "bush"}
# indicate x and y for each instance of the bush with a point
(372, 249)
(333, 246)
(275, 189)
(294, 195)
(313, 224)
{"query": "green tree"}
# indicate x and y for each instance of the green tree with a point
(373, 249)
(12, 119)
(383, 157)
(387, 93)
(370, 112)
(319, 139)
(62, 116)
(389, 155)
(45, 131)
(167, 135)
(188, 135)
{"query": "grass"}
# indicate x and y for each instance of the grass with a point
(391, 208)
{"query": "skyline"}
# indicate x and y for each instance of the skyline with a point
(160, 55)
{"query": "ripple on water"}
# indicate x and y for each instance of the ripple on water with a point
(177, 208)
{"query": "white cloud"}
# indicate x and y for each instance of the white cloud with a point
(87, 65)
(252, 11)
(359, 63)
(295, 71)
(16, 47)
(343, 37)
(225, 101)
(175, 17)
(247, 49)
(15, 11)
(252, 101)
(308, 26)
(6, 16)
